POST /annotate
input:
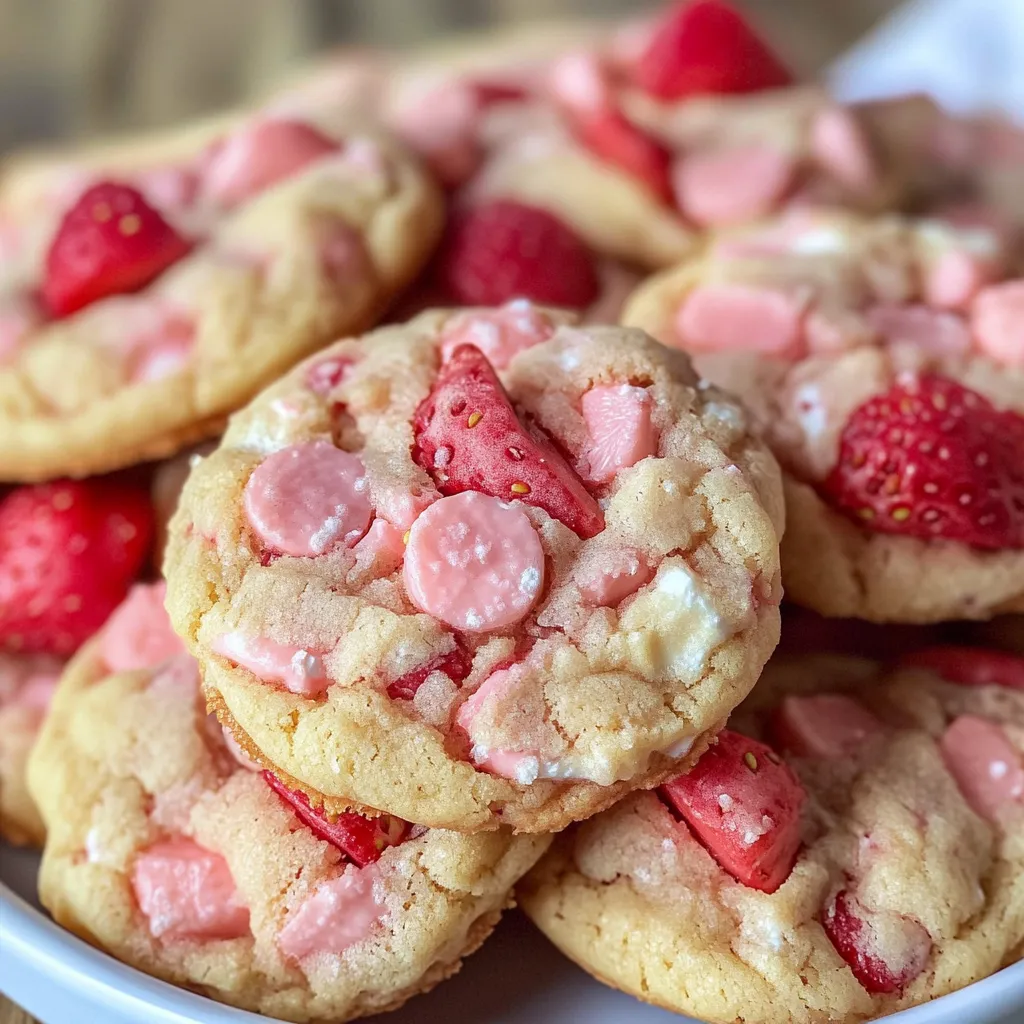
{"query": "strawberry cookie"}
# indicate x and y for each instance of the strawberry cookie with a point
(150, 289)
(885, 362)
(485, 567)
(170, 850)
(852, 846)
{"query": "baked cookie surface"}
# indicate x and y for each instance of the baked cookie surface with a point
(874, 865)
(149, 289)
(883, 360)
(174, 854)
(415, 591)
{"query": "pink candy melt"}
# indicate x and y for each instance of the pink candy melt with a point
(474, 562)
(927, 329)
(986, 765)
(826, 725)
(579, 82)
(258, 156)
(18, 316)
(732, 185)
(731, 317)
(305, 499)
(997, 319)
(839, 145)
(508, 764)
(339, 913)
(607, 584)
(342, 253)
(299, 670)
(441, 126)
(618, 418)
(955, 278)
(138, 634)
(501, 334)
(187, 893)
(383, 546)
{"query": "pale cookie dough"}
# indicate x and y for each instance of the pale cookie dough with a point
(27, 683)
(296, 238)
(810, 316)
(908, 882)
(558, 631)
(168, 852)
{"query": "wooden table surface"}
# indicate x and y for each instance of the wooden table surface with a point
(812, 30)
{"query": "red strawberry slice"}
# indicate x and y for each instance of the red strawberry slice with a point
(456, 664)
(361, 839)
(611, 137)
(744, 805)
(504, 250)
(885, 951)
(705, 47)
(68, 553)
(469, 438)
(931, 459)
(110, 242)
(970, 666)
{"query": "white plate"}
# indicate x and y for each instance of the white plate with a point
(517, 978)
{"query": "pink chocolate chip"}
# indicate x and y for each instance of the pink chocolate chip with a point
(138, 633)
(824, 725)
(169, 188)
(187, 892)
(338, 914)
(383, 547)
(839, 145)
(986, 765)
(580, 83)
(300, 671)
(614, 577)
(618, 418)
(260, 155)
(997, 319)
(732, 185)
(19, 314)
(474, 562)
(521, 765)
(305, 499)
(737, 317)
(501, 334)
(930, 330)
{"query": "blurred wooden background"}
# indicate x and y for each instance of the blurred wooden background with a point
(72, 68)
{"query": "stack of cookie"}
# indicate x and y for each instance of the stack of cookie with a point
(475, 574)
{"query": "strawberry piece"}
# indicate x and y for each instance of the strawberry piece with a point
(489, 94)
(361, 839)
(885, 951)
(469, 438)
(970, 666)
(932, 459)
(705, 47)
(68, 553)
(456, 664)
(504, 250)
(110, 242)
(744, 805)
(609, 136)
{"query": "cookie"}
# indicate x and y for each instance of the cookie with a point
(873, 866)
(178, 858)
(149, 289)
(27, 683)
(883, 361)
(407, 593)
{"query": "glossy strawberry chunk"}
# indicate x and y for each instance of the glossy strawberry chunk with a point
(469, 438)
(361, 839)
(110, 242)
(610, 136)
(68, 553)
(705, 47)
(743, 803)
(934, 460)
(503, 250)
(885, 951)
(456, 664)
(970, 666)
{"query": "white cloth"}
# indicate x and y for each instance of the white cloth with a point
(967, 54)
